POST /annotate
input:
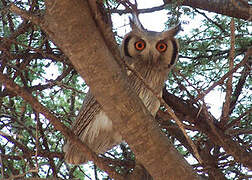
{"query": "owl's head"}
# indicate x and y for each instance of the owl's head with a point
(159, 49)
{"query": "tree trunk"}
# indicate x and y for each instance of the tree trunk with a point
(70, 25)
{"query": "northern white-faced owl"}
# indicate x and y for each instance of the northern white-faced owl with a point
(152, 55)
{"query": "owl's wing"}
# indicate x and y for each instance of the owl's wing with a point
(93, 128)
(86, 115)
(88, 111)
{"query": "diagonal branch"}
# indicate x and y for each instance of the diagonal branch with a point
(237, 120)
(224, 77)
(226, 106)
(238, 89)
(10, 85)
(24, 149)
(194, 115)
(76, 33)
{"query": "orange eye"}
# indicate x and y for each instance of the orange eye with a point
(140, 45)
(161, 47)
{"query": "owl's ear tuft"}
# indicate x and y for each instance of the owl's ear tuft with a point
(172, 31)
(135, 23)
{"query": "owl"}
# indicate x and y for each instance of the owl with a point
(150, 54)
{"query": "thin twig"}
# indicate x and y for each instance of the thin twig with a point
(37, 141)
(237, 120)
(226, 106)
(35, 19)
(209, 19)
(190, 84)
(181, 126)
(22, 175)
(244, 61)
(147, 10)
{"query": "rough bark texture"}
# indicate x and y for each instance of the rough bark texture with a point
(72, 28)
(232, 8)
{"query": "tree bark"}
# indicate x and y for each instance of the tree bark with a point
(232, 8)
(70, 25)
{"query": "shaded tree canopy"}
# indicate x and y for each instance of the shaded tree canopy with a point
(43, 64)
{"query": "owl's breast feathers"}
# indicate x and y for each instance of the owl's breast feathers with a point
(95, 128)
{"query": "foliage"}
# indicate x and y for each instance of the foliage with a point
(31, 147)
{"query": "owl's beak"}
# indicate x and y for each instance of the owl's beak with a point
(154, 57)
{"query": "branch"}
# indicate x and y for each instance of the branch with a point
(147, 10)
(237, 120)
(216, 135)
(42, 153)
(210, 20)
(242, 63)
(225, 7)
(45, 142)
(73, 29)
(238, 89)
(28, 16)
(10, 85)
(24, 149)
(226, 106)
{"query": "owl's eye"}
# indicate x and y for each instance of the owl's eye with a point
(140, 45)
(161, 47)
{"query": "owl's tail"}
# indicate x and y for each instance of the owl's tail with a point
(99, 135)
(73, 155)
